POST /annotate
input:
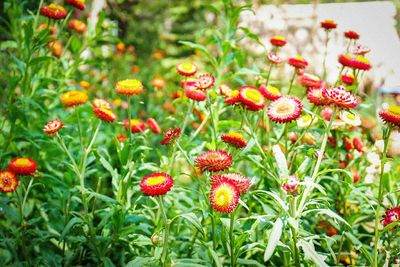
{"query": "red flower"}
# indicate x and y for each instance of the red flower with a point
(345, 60)
(270, 92)
(309, 80)
(291, 185)
(52, 127)
(105, 114)
(224, 196)
(351, 35)
(348, 79)
(137, 125)
(205, 81)
(170, 136)
(80, 4)
(391, 215)
(251, 98)
(339, 97)
(361, 63)
(77, 25)
(274, 58)
(241, 182)
(233, 97)
(53, 11)
(234, 139)
(358, 144)
(356, 175)
(214, 160)
(195, 94)
(361, 50)
(391, 115)
(314, 95)
(190, 82)
(326, 113)
(186, 69)
(298, 62)
(156, 184)
(285, 109)
(328, 24)
(153, 125)
(277, 41)
(8, 181)
(22, 166)
(121, 137)
(348, 145)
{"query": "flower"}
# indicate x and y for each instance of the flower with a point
(361, 63)
(328, 228)
(361, 50)
(348, 79)
(233, 97)
(153, 125)
(129, 87)
(105, 114)
(309, 80)
(328, 24)
(100, 103)
(270, 92)
(121, 137)
(224, 196)
(158, 82)
(277, 41)
(53, 11)
(305, 121)
(291, 185)
(326, 113)
(358, 144)
(391, 115)
(156, 184)
(314, 95)
(8, 181)
(274, 58)
(251, 98)
(137, 125)
(186, 69)
(52, 127)
(214, 160)
(80, 4)
(170, 136)
(374, 169)
(350, 118)
(22, 166)
(195, 94)
(345, 60)
(188, 82)
(77, 25)
(56, 48)
(339, 97)
(74, 98)
(285, 109)
(224, 89)
(205, 81)
(391, 216)
(351, 35)
(85, 84)
(241, 182)
(234, 139)
(298, 62)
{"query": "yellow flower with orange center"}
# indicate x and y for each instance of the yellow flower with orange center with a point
(129, 87)
(74, 98)
(234, 139)
(85, 84)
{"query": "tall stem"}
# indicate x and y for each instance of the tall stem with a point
(294, 232)
(232, 238)
(325, 54)
(291, 82)
(166, 233)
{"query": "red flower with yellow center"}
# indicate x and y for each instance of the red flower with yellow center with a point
(277, 41)
(234, 139)
(298, 62)
(224, 89)
(241, 182)
(56, 48)
(129, 87)
(328, 24)
(186, 69)
(153, 125)
(285, 109)
(52, 127)
(156, 184)
(171, 136)
(205, 81)
(213, 161)
(274, 58)
(105, 114)
(270, 92)
(137, 125)
(348, 79)
(345, 60)
(391, 216)
(53, 11)
(22, 166)
(314, 95)
(233, 97)
(80, 4)
(8, 181)
(339, 97)
(352, 35)
(310, 80)
(391, 115)
(74, 98)
(100, 103)
(251, 98)
(77, 25)
(361, 63)
(195, 94)
(224, 196)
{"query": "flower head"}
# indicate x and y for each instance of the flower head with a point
(80, 4)
(53, 11)
(8, 181)
(56, 48)
(351, 35)
(158, 83)
(241, 182)
(278, 41)
(361, 50)
(100, 103)
(328, 24)
(361, 63)
(224, 196)
(233, 97)
(195, 94)
(77, 25)
(129, 87)
(74, 98)
(291, 185)
(309, 80)
(171, 136)
(104, 114)
(52, 127)
(391, 115)
(137, 125)
(156, 184)
(305, 121)
(234, 139)
(314, 95)
(153, 125)
(270, 92)
(214, 160)
(251, 98)
(298, 62)
(339, 97)
(391, 215)
(285, 109)
(186, 69)
(85, 84)
(347, 79)
(345, 60)
(350, 118)
(205, 81)
(22, 166)
(274, 58)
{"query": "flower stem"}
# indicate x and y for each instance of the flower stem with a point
(294, 232)
(291, 82)
(325, 54)
(232, 238)
(166, 232)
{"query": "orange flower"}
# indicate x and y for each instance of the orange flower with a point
(53, 11)
(53, 127)
(8, 181)
(77, 25)
(214, 160)
(137, 125)
(129, 87)
(251, 98)
(80, 4)
(234, 139)
(22, 166)
(56, 48)
(74, 98)
(105, 114)
(158, 83)
(85, 84)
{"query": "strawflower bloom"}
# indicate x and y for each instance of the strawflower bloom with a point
(346, 60)
(153, 125)
(291, 185)
(328, 24)
(137, 125)
(77, 25)
(361, 63)
(100, 103)
(158, 83)
(339, 97)
(129, 87)
(8, 181)
(352, 35)
(85, 84)
(270, 92)
(277, 41)
(348, 79)
(350, 118)
(233, 97)
(274, 58)
(56, 48)
(171, 136)
(358, 144)
(285, 109)
(251, 98)
(195, 94)
(186, 69)
(80, 4)
(214, 160)
(121, 137)
(310, 80)
(298, 62)
(391, 115)
(156, 184)
(326, 113)
(224, 196)
(391, 216)
(314, 95)
(205, 81)
(361, 50)
(105, 114)
(241, 182)
(224, 89)
(53, 11)
(234, 139)
(305, 121)
(53, 127)
(22, 166)
(74, 98)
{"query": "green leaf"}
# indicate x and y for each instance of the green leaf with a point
(140, 261)
(69, 225)
(193, 219)
(360, 246)
(214, 256)
(274, 238)
(249, 262)
(329, 213)
(281, 162)
(311, 254)
(102, 197)
(202, 48)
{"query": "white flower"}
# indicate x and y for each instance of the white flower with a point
(350, 118)
(305, 121)
(375, 161)
(379, 144)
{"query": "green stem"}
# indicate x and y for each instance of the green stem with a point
(188, 112)
(232, 238)
(291, 82)
(294, 232)
(79, 128)
(325, 55)
(166, 233)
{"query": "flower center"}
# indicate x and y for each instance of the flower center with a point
(223, 196)
(156, 180)
(253, 95)
(22, 162)
(306, 118)
(273, 90)
(394, 109)
(284, 108)
(187, 66)
(350, 116)
(235, 134)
